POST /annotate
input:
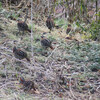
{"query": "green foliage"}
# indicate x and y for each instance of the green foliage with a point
(51, 38)
(0, 5)
(12, 15)
(32, 26)
(81, 26)
(82, 7)
(91, 31)
(61, 22)
(87, 53)
(94, 30)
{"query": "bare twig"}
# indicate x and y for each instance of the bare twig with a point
(51, 54)
(71, 90)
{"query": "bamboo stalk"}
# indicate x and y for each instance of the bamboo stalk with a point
(96, 9)
(78, 9)
(73, 8)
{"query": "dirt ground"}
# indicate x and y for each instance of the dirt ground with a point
(65, 73)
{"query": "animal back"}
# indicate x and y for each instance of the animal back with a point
(45, 43)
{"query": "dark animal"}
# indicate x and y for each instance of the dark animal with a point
(68, 29)
(28, 85)
(22, 26)
(50, 23)
(20, 54)
(46, 42)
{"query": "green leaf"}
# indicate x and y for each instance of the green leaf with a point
(0, 5)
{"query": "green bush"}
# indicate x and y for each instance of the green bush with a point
(94, 30)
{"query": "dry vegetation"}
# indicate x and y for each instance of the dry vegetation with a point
(69, 72)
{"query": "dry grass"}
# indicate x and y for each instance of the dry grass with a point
(68, 62)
